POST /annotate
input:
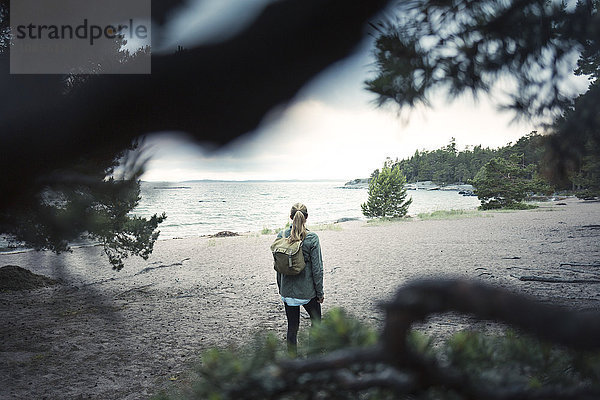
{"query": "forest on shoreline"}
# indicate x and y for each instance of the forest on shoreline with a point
(448, 165)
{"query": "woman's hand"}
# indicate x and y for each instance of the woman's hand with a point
(320, 299)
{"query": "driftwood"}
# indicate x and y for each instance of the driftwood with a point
(224, 234)
(408, 373)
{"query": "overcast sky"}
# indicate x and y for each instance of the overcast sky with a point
(332, 130)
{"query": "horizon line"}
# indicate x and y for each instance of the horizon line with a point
(251, 180)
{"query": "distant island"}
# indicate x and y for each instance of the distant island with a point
(359, 183)
(462, 188)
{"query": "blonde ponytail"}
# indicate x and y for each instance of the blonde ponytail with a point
(299, 213)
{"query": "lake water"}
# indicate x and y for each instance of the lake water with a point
(205, 208)
(201, 208)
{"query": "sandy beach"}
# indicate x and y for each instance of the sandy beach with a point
(102, 334)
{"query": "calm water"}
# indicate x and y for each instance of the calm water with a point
(200, 208)
(204, 208)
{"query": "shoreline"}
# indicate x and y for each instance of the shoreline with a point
(338, 220)
(106, 334)
(437, 215)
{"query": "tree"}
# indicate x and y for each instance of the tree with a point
(504, 183)
(387, 195)
(88, 199)
(587, 178)
(466, 46)
(86, 202)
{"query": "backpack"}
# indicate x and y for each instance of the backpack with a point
(287, 257)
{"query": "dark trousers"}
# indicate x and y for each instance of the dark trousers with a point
(313, 308)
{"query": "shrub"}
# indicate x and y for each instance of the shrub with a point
(504, 183)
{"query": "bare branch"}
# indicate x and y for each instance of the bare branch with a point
(415, 301)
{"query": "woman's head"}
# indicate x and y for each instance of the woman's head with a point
(298, 214)
(298, 207)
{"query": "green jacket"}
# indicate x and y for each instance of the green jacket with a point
(309, 282)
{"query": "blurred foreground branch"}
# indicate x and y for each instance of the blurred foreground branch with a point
(215, 92)
(395, 366)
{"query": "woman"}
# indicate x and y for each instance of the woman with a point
(306, 288)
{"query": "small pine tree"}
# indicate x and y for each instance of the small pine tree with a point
(387, 195)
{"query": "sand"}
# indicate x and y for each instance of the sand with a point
(102, 334)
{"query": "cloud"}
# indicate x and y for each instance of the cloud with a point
(316, 140)
(209, 21)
